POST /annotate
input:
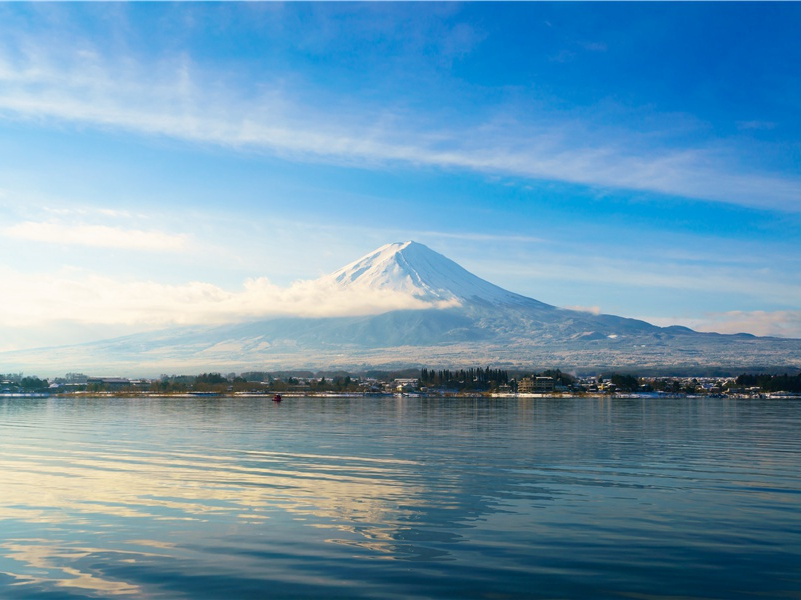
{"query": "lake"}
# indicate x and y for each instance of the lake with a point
(400, 498)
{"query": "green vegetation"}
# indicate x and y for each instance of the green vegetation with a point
(34, 384)
(771, 383)
(477, 379)
(18, 383)
(625, 383)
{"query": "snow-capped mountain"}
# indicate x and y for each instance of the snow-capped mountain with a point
(415, 269)
(457, 319)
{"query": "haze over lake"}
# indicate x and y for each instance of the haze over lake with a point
(399, 498)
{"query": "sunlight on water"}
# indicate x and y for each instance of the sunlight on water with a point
(388, 498)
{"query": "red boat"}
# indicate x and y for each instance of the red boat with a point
(277, 398)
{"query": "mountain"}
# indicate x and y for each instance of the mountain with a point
(458, 319)
(415, 269)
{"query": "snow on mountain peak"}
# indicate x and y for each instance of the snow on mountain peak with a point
(414, 269)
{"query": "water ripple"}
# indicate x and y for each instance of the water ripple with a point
(468, 498)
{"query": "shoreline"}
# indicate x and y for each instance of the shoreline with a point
(495, 396)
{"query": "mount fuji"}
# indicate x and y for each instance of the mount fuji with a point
(450, 318)
(415, 269)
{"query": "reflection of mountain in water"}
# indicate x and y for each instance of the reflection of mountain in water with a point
(470, 321)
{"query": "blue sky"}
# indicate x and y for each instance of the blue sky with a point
(183, 163)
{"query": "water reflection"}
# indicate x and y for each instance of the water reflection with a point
(46, 563)
(80, 486)
(144, 496)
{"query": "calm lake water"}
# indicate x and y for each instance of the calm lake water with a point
(400, 498)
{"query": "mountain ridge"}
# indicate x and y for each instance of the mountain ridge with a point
(463, 321)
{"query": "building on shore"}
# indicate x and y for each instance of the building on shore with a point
(535, 385)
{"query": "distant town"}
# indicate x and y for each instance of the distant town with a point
(408, 382)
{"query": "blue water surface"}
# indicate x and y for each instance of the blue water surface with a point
(400, 498)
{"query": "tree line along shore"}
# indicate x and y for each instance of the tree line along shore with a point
(425, 381)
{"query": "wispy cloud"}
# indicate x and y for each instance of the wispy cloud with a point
(101, 236)
(756, 125)
(481, 237)
(180, 100)
(708, 273)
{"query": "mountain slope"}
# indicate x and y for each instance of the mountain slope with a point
(413, 268)
(470, 321)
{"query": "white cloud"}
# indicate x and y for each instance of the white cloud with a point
(178, 100)
(595, 310)
(86, 298)
(102, 236)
